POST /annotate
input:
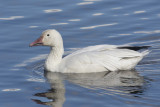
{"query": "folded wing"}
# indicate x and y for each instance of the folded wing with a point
(101, 58)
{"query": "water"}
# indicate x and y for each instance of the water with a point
(81, 23)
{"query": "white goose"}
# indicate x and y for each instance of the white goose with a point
(97, 58)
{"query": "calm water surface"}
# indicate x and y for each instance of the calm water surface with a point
(81, 23)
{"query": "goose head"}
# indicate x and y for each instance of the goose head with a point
(50, 38)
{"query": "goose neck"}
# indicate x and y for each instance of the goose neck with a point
(54, 58)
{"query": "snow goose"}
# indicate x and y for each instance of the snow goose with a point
(96, 58)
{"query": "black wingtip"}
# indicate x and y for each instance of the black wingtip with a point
(135, 48)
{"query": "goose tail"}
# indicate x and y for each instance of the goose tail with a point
(146, 52)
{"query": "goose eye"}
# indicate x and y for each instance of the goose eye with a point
(47, 34)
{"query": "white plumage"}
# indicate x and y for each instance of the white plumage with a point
(97, 58)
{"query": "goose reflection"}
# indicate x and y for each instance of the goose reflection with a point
(56, 94)
(121, 81)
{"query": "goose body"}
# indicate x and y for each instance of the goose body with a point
(96, 58)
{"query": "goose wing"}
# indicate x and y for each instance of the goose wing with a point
(100, 59)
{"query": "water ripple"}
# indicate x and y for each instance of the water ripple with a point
(97, 14)
(52, 10)
(144, 18)
(116, 8)
(12, 89)
(125, 34)
(59, 24)
(92, 27)
(74, 20)
(92, 0)
(33, 26)
(148, 32)
(37, 58)
(139, 12)
(12, 18)
(85, 3)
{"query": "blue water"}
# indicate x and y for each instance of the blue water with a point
(81, 23)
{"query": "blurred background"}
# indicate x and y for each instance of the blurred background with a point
(81, 23)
